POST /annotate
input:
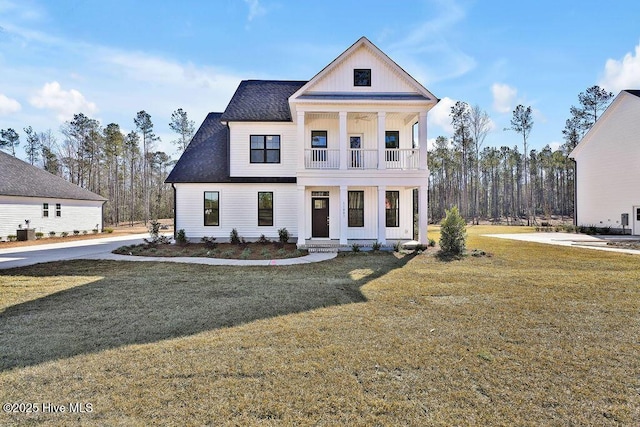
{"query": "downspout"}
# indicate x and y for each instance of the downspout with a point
(102, 217)
(175, 211)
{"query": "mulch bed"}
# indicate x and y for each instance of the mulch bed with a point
(221, 250)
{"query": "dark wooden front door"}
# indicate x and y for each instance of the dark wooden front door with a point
(320, 217)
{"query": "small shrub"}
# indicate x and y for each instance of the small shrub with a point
(355, 248)
(432, 243)
(397, 246)
(227, 254)
(246, 253)
(375, 247)
(39, 235)
(209, 242)
(263, 240)
(282, 252)
(283, 235)
(181, 237)
(107, 230)
(85, 232)
(52, 234)
(12, 237)
(264, 253)
(453, 236)
(76, 232)
(95, 231)
(234, 238)
(64, 234)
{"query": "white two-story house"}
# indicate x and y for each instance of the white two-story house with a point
(341, 158)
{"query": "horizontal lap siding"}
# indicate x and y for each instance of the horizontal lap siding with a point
(405, 231)
(240, 165)
(238, 209)
(78, 215)
(608, 167)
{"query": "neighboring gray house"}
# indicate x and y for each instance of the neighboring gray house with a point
(49, 202)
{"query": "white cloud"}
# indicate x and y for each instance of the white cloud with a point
(8, 105)
(503, 97)
(430, 39)
(440, 115)
(555, 145)
(64, 103)
(255, 9)
(623, 74)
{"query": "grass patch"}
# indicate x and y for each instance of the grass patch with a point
(533, 335)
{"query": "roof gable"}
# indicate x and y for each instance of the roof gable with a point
(22, 179)
(607, 118)
(388, 79)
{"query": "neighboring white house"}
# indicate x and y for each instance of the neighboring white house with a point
(48, 202)
(608, 167)
(339, 158)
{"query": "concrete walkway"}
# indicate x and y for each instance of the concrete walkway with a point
(100, 249)
(572, 240)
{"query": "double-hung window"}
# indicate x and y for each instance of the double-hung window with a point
(392, 208)
(211, 208)
(265, 149)
(45, 210)
(265, 208)
(356, 208)
(58, 210)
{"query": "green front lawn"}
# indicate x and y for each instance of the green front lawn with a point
(530, 335)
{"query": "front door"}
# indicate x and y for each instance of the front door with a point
(636, 220)
(319, 217)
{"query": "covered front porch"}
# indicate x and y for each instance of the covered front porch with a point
(346, 214)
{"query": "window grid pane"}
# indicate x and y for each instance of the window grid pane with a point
(264, 148)
(392, 204)
(211, 208)
(356, 208)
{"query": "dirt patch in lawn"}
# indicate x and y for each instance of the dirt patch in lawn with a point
(255, 251)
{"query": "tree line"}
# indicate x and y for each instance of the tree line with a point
(515, 184)
(125, 169)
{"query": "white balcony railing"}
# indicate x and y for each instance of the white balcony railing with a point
(402, 158)
(358, 158)
(321, 158)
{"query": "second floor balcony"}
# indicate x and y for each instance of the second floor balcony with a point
(358, 158)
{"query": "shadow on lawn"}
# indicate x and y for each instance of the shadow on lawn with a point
(137, 303)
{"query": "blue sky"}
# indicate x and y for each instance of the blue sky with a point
(110, 59)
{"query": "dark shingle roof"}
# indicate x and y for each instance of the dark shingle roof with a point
(635, 92)
(206, 158)
(262, 100)
(18, 178)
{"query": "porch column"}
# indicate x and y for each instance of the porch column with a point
(422, 139)
(342, 120)
(382, 215)
(344, 211)
(382, 126)
(302, 215)
(423, 205)
(301, 142)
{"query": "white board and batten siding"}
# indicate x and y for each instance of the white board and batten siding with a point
(608, 167)
(383, 77)
(81, 215)
(238, 204)
(240, 149)
(370, 229)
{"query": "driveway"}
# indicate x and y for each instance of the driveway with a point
(573, 240)
(80, 249)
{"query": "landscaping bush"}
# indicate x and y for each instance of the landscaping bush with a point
(234, 238)
(76, 232)
(263, 240)
(12, 237)
(209, 242)
(39, 235)
(181, 237)
(156, 237)
(95, 231)
(52, 234)
(375, 247)
(355, 247)
(432, 243)
(64, 234)
(283, 235)
(107, 230)
(453, 235)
